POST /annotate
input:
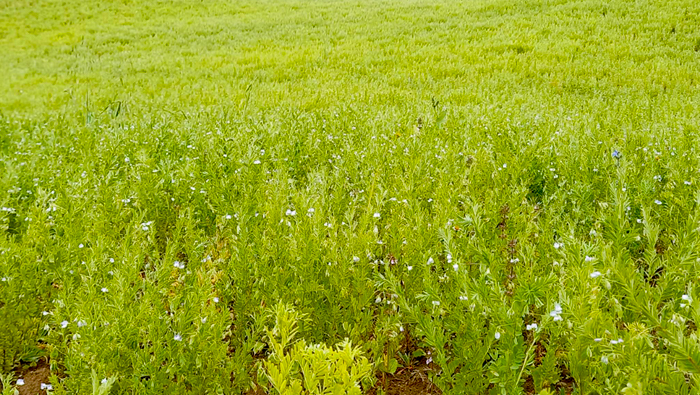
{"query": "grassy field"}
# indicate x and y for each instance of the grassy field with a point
(346, 197)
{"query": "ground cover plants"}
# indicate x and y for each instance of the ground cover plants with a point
(323, 197)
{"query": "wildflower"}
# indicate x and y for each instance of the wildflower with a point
(377, 215)
(103, 381)
(20, 382)
(497, 335)
(463, 297)
(47, 387)
(436, 303)
(356, 259)
(589, 258)
(104, 290)
(531, 327)
(290, 213)
(81, 323)
(657, 178)
(430, 261)
(216, 299)
(111, 260)
(514, 260)
(179, 265)
(378, 300)
(409, 268)
(64, 324)
(604, 359)
(310, 211)
(597, 339)
(455, 266)
(556, 313)
(227, 216)
(449, 258)
(558, 245)
(80, 245)
(616, 154)
(686, 298)
(256, 162)
(204, 320)
(177, 337)
(686, 182)
(595, 274)
(659, 202)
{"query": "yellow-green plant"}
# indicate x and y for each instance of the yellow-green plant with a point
(295, 367)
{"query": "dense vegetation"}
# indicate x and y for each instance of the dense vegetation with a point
(208, 197)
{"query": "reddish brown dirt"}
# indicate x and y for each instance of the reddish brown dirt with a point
(33, 377)
(405, 382)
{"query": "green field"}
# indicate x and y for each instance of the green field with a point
(350, 197)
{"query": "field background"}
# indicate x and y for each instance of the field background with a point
(426, 179)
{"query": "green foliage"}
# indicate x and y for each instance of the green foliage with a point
(499, 196)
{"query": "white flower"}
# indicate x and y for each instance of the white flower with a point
(430, 261)
(80, 245)
(64, 324)
(409, 268)
(356, 259)
(378, 299)
(81, 323)
(47, 387)
(604, 359)
(20, 382)
(227, 216)
(686, 298)
(558, 245)
(462, 297)
(177, 337)
(597, 339)
(111, 260)
(497, 335)
(686, 182)
(658, 202)
(104, 290)
(256, 162)
(310, 211)
(531, 327)
(291, 213)
(556, 313)
(377, 215)
(436, 303)
(514, 260)
(204, 320)
(589, 258)
(449, 258)
(455, 266)
(595, 274)
(103, 381)
(179, 265)
(216, 299)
